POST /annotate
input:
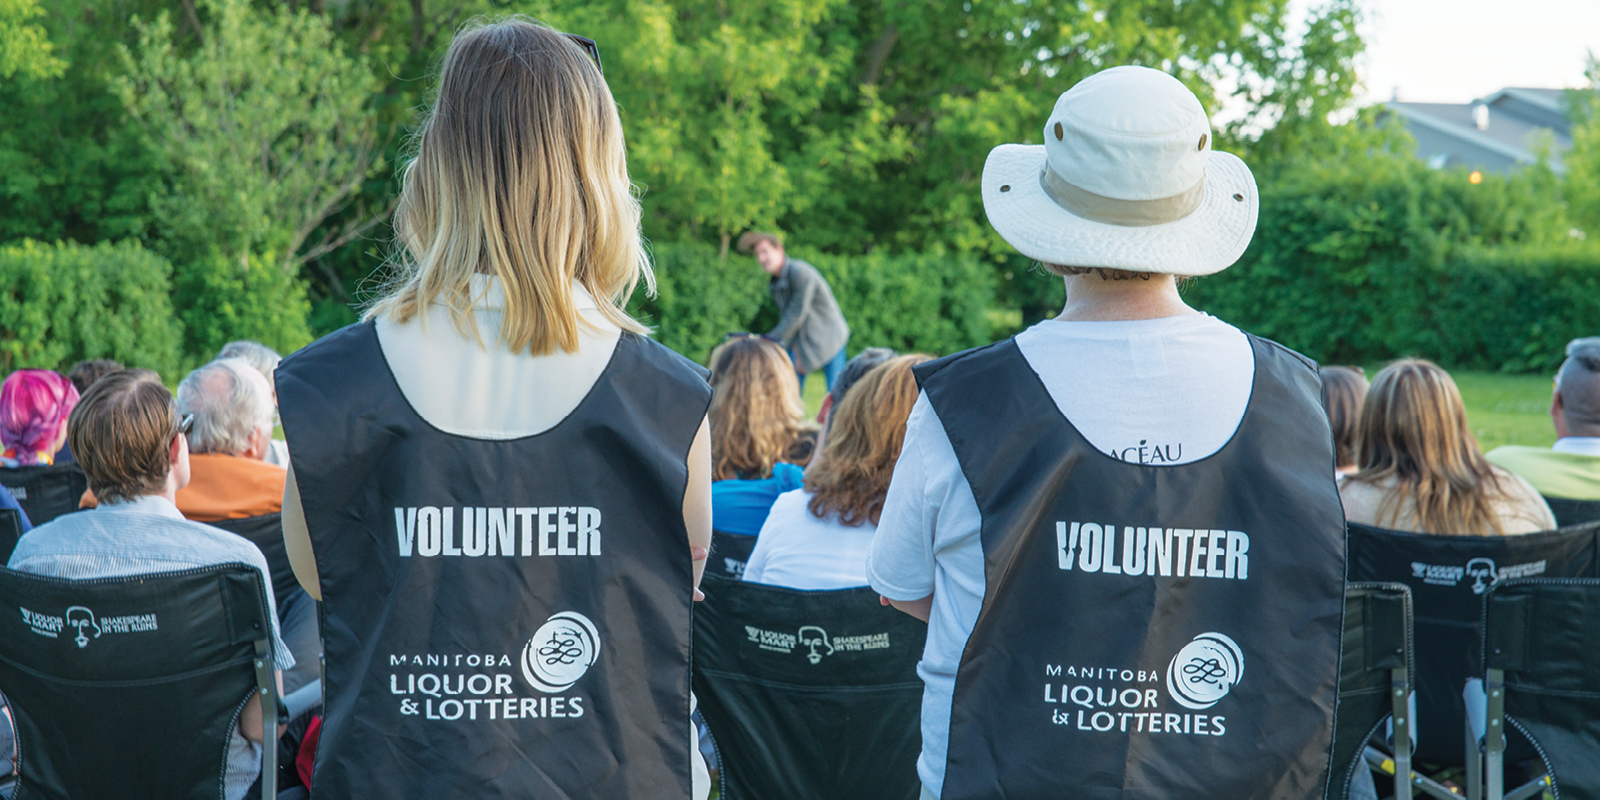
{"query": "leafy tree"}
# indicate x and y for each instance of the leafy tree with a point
(265, 132)
(24, 46)
(1583, 160)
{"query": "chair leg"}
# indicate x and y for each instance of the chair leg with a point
(268, 687)
(1400, 712)
(1474, 755)
(1495, 734)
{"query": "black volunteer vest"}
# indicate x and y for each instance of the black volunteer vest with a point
(1146, 631)
(501, 619)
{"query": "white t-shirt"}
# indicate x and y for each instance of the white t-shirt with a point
(798, 550)
(1169, 391)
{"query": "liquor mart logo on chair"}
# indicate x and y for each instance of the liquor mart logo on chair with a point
(1105, 699)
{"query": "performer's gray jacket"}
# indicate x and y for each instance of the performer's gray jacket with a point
(810, 324)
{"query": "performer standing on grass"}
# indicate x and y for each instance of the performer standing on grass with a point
(500, 487)
(1121, 524)
(810, 325)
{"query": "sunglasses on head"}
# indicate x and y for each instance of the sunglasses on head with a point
(589, 46)
(185, 424)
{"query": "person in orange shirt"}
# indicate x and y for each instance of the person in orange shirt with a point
(232, 407)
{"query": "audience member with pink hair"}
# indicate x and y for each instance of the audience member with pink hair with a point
(34, 405)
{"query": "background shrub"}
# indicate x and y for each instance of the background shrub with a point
(66, 302)
(915, 302)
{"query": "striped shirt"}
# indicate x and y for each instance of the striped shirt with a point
(140, 537)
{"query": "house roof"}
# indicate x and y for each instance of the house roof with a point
(1519, 118)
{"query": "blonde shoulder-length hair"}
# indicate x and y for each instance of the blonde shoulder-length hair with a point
(756, 413)
(851, 476)
(520, 174)
(1414, 442)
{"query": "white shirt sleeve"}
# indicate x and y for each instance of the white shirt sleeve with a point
(900, 563)
(756, 567)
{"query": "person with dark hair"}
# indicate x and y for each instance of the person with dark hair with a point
(817, 537)
(1421, 469)
(84, 373)
(1343, 390)
(1570, 468)
(499, 481)
(854, 369)
(133, 446)
(810, 324)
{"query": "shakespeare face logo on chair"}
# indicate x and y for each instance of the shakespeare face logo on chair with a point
(814, 637)
(560, 652)
(82, 619)
(1204, 670)
(1483, 574)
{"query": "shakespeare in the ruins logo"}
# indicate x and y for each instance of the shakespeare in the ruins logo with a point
(560, 652)
(1204, 670)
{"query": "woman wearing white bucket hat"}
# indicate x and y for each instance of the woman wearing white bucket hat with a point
(1125, 506)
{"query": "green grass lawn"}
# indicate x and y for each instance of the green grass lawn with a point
(1506, 409)
(1502, 409)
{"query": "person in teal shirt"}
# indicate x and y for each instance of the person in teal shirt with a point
(1569, 469)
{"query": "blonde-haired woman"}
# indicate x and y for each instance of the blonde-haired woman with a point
(756, 422)
(499, 486)
(1421, 469)
(818, 537)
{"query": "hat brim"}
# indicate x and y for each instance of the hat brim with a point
(1205, 242)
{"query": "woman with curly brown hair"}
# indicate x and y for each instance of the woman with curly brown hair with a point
(818, 537)
(756, 422)
(1421, 469)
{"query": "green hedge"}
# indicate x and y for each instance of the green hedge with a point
(1374, 256)
(1510, 309)
(935, 304)
(66, 302)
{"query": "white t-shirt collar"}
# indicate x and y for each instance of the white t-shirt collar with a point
(1578, 445)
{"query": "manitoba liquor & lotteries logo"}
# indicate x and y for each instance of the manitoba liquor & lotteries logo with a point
(1102, 699)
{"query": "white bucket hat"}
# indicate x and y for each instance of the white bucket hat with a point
(1126, 179)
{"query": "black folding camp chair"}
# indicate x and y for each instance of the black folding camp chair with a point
(1375, 679)
(297, 612)
(729, 553)
(1541, 667)
(10, 533)
(131, 687)
(46, 491)
(1448, 576)
(1573, 512)
(809, 695)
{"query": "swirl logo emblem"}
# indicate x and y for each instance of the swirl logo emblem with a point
(563, 648)
(1204, 670)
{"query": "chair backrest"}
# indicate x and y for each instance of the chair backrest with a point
(10, 532)
(1573, 512)
(1375, 662)
(46, 491)
(1545, 635)
(266, 531)
(729, 554)
(809, 694)
(130, 687)
(1448, 576)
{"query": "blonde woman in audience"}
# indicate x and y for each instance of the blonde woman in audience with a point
(1343, 390)
(756, 421)
(498, 468)
(818, 537)
(1421, 469)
